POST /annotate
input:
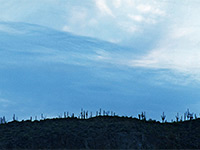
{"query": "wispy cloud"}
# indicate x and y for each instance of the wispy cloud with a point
(166, 33)
(117, 3)
(5, 102)
(111, 20)
(178, 49)
(7, 29)
(103, 7)
(137, 18)
(150, 9)
(2, 100)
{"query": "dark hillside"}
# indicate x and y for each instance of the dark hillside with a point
(101, 132)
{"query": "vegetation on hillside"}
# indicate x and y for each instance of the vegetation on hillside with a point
(99, 132)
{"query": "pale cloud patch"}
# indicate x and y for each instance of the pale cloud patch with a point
(158, 12)
(8, 29)
(66, 29)
(186, 62)
(137, 18)
(128, 27)
(77, 21)
(112, 20)
(116, 41)
(178, 48)
(130, 3)
(150, 9)
(102, 55)
(78, 14)
(4, 102)
(144, 8)
(88, 18)
(117, 3)
(103, 7)
(142, 19)
(180, 32)
(92, 22)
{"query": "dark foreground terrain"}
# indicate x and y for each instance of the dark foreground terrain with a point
(100, 133)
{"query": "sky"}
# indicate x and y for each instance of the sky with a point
(165, 28)
(161, 38)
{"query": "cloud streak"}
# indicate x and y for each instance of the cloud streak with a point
(103, 7)
(111, 20)
(165, 33)
(178, 49)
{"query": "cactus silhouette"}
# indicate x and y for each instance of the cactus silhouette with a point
(65, 116)
(177, 117)
(104, 113)
(181, 118)
(100, 112)
(14, 117)
(72, 115)
(86, 114)
(42, 116)
(163, 116)
(139, 116)
(189, 115)
(143, 115)
(96, 113)
(195, 116)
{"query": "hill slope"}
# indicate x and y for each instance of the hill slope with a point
(100, 133)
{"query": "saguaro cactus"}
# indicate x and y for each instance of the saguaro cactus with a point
(42, 116)
(189, 115)
(4, 119)
(177, 117)
(185, 116)
(81, 113)
(96, 113)
(65, 116)
(163, 116)
(104, 113)
(100, 112)
(143, 115)
(139, 116)
(107, 113)
(195, 116)
(181, 119)
(14, 117)
(86, 114)
(72, 115)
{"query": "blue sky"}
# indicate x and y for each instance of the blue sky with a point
(154, 45)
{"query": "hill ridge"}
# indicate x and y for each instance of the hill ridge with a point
(102, 132)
